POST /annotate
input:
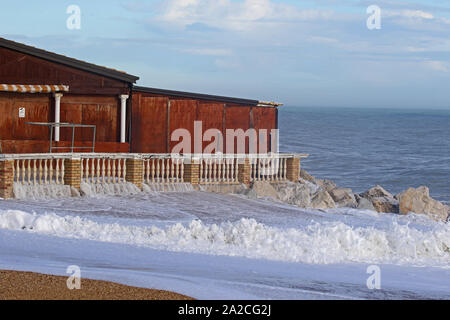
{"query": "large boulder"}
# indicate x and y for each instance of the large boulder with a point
(294, 193)
(365, 204)
(263, 189)
(376, 192)
(322, 200)
(343, 197)
(74, 192)
(419, 201)
(381, 200)
(385, 205)
(313, 188)
(306, 176)
(326, 185)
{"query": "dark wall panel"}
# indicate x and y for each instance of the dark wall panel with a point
(182, 116)
(19, 68)
(71, 113)
(211, 116)
(37, 109)
(105, 117)
(100, 111)
(104, 112)
(264, 118)
(237, 117)
(149, 124)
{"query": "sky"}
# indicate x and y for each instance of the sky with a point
(301, 53)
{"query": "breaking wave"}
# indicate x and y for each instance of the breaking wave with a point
(49, 191)
(317, 243)
(108, 189)
(172, 187)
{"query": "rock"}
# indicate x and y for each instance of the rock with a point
(322, 200)
(381, 200)
(74, 192)
(419, 201)
(343, 197)
(264, 189)
(294, 193)
(364, 204)
(376, 192)
(385, 205)
(306, 176)
(313, 188)
(326, 185)
(249, 193)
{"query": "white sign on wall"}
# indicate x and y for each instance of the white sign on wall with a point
(21, 112)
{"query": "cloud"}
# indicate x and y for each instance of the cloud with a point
(430, 44)
(227, 14)
(410, 14)
(209, 52)
(138, 6)
(417, 14)
(435, 65)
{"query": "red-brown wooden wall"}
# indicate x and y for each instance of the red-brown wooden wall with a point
(154, 118)
(92, 99)
(19, 68)
(149, 124)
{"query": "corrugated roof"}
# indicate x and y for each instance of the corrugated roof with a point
(71, 62)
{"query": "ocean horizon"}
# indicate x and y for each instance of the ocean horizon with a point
(359, 148)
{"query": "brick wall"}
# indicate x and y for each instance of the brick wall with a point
(192, 172)
(6, 179)
(293, 169)
(72, 173)
(135, 172)
(245, 171)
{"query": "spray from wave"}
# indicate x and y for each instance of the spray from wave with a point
(44, 191)
(53, 191)
(316, 243)
(171, 187)
(108, 189)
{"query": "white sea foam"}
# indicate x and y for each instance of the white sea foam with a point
(53, 191)
(171, 187)
(109, 189)
(44, 191)
(317, 243)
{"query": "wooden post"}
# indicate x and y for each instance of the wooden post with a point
(293, 169)
(245, 171)
(72, 172)
(135, 172)
(192, 172)
(6, 179)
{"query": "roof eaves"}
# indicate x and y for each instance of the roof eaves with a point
(198, 96)
(71, 62)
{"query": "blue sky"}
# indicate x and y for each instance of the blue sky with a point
(305, 53)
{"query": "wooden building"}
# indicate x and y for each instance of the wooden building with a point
(156, 113)
(40, 86)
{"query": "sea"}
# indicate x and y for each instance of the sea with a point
(359, 148)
